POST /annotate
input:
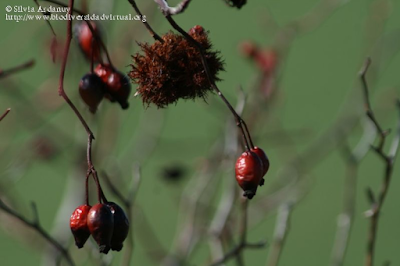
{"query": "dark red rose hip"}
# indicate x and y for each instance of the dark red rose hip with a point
(249, 171)
(264, 159)
(78, 224)
(121, 226)
(91, 89)
(100, 221)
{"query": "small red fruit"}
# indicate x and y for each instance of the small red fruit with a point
(121, 226)
(264, 159)
(249, 171)
(87, 42)
(118, 84)
(78, 225)
(91, 89)
(100, 221)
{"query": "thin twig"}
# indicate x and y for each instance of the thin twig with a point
(281, 231)
(47, 21)
(35, 225)
(146, 24)
(61, 90)
(5, 114)
(63, 94)
(8, 72)
(377, 202)
(345, 219)
(243, 244)
(95, 33)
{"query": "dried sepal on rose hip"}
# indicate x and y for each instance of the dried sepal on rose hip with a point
(249, 172)
(171, 70)
(265, 162)
(118, 85)
(89, 45)
(121, 226)
(91, 90)
(78, 225)
(100, 221)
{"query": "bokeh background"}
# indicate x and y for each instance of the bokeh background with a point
(314, 112)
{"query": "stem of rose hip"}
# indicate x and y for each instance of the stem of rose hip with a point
(92, 170)
(239, 121)
(87, 188)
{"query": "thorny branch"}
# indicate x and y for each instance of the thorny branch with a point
(35, 224)
(377, 201)
(7, 72)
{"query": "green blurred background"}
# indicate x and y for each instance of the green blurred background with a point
(318, 83)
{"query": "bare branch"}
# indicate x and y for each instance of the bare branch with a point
(5, 114)
(346, 217)
(167, 10)
(35, 225)
(146, 24)
(377, 202)
(8, 72)
(236, 252)
(281, 230)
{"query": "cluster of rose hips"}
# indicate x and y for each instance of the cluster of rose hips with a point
(250, 169)
(105, 81)
(107, 223)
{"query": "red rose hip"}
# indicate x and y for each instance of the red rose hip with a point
(118, 85)
(121, 226)
(87, 42)
(78, 225)
(264, 159)
(100, 221)
(249, 172)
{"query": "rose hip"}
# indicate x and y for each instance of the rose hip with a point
(249, 171)
(100, 221)
(118, 85)
(121, 226)
(91, 89)
(78, 224)
(264, 159)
